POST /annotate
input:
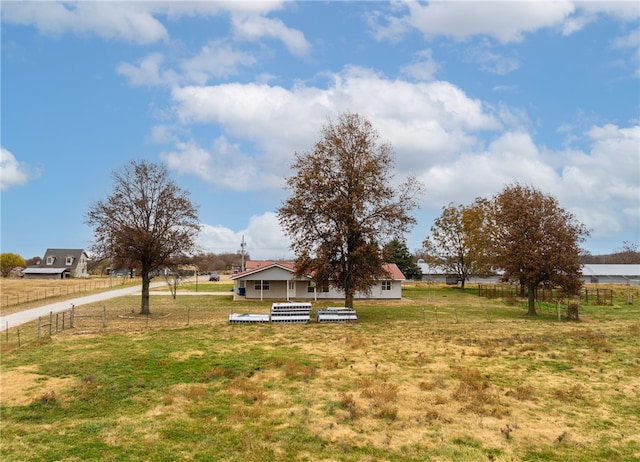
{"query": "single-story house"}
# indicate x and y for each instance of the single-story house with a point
(276, 280)
(60, 264)
(611, 274)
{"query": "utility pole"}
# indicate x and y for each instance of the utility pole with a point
(242, 245)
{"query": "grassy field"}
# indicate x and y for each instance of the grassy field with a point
(441, 375)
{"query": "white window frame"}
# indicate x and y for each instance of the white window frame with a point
(50, 260)
(387, 284)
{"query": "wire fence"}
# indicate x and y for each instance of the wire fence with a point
(589, 296)
(87, 320)
(76, 286)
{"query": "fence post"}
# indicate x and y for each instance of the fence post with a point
(50, 323)
(57, 322)
(64, 313)
(188, 315)
(7, 332)
(39, 326)
(72, 316)
(104, 316)
(18, 337)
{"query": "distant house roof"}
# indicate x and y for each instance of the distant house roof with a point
(257, 266)
(38, 270)
(57, 258)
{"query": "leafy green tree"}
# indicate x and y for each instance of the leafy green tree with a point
(396, 251)
(536, 241)
(343, 206)
(8, 261)
(458, 242)
(147, 222)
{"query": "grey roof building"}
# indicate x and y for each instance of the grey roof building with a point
(611, 274)
(60, 264)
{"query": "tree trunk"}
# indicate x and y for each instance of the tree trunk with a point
(532, 300)
(144, 302)
(348, 298)
(462, 283)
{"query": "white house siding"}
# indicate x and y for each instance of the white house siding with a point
(610, 273)
(280, 276)
(277, 290)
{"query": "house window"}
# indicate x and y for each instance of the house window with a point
(386, 285)
(292, 285)
(312, 287)
(50, 260)
(261, 285)
(69, 261)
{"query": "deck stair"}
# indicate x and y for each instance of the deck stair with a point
(290, 312)
(246, 318)
(336, 314)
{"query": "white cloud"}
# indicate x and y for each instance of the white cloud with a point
(216, 59)
(423, 68)
(223, 165)
(491, 61)
(263, 237)
(254, 28)
(630, 41)
(504, 21)
(423, 121)
(138, 22)
(128, 21)
(12, 172)
(147, 72)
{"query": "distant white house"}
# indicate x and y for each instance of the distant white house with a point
(591, 274)
(435, 273)
(276, 280)
(60, 264)
(611, 274)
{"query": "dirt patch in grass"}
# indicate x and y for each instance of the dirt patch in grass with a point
(23, 385)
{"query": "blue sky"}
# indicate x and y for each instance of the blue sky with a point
(472, 96)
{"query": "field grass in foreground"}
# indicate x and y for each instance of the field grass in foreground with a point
(441, 375)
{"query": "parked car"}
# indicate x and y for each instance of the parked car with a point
(214, 277)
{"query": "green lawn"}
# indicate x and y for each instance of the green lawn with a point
(441, 375)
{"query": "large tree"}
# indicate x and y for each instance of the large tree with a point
(343, 206)
(8, 261)
(396, 251)
(536, 241)
(147, 222)
(458, 242)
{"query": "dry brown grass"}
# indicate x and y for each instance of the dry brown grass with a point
(451, 389)
(20, 294)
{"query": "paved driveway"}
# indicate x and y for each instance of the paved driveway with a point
(15, 319)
